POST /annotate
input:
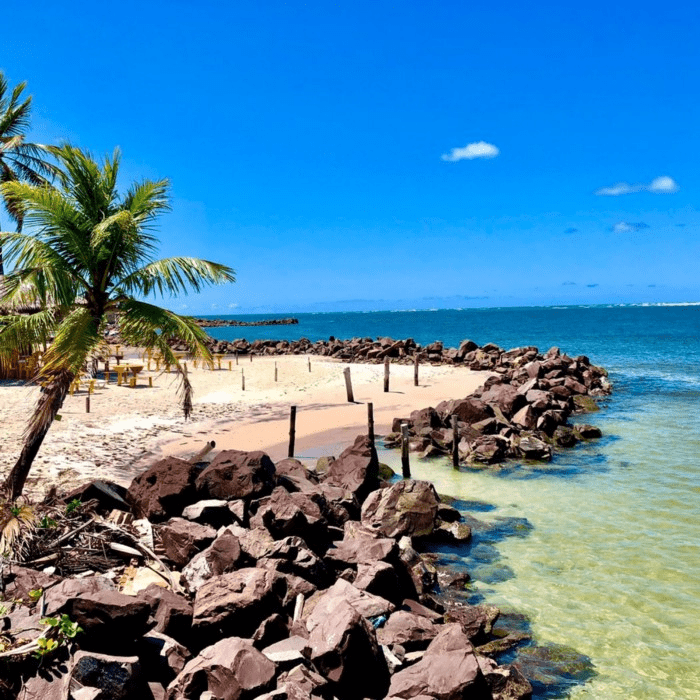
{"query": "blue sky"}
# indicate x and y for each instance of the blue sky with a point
(382, 154)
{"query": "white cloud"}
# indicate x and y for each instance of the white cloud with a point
(659, 185)
(628, 226)
(480, 149)
(663, 185)
(233, 306)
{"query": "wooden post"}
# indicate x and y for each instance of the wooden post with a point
(229, 366)
(370, 422)
(242, 379)
(415, 371)
(236, 357)
(348, 385)
(106, 377)
(275, 371)
(309, 364)
(386, 374)
(405, 466)
(87, 404)
(150, 382)
(292, 430)
(251, 356)
(208, 447)
(455, 442)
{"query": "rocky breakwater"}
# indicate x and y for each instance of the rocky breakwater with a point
(222, 322)
(521, 412)
(273, 581)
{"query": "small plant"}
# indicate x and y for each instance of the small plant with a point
(61, 629)
(3, 610)
(73, 506)
(35, 594)
(46, 523)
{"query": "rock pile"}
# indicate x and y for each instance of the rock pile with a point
(219, 322)
(279, 582)
(521, 412)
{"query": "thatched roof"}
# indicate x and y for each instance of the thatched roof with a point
(26, 302)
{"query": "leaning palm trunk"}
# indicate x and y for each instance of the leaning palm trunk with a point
(47, 408)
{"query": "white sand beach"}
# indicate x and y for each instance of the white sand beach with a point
(128, 428)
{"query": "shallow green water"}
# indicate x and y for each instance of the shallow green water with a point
(610, 566)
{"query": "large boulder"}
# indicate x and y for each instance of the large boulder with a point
(409, 630)
(237, 602)
(356, 469)
(506, 397)
(469, 410)
(323, 603)
(407, 507)
(182, 539)
(221, 557)
(237, 474)
(345, 651)
(231, 669)
(449, 670)
(162, 491)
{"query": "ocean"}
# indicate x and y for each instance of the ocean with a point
(600, 549)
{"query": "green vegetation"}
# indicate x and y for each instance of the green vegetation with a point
(88, 255)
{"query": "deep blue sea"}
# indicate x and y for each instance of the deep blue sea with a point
(601, 548)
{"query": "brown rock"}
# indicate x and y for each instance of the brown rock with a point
(506, 397)
(356, 469)
(409, 630)
(237, 474)
(323, 603)
(525, 418)
(407, 507)
(163, 490)
(238, 602)
(231, 669)
(221, 557)
(182, 539)
(116, 677)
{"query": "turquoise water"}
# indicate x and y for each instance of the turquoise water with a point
(606, 553)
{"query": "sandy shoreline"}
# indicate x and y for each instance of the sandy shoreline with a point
(128, 428)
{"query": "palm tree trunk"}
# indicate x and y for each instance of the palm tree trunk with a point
(46, 410)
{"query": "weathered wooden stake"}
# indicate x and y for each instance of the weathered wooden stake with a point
(455, 442)
(309, 364)
(405, 466)
(236, 357)
(208, 447)
(251, 356)
(87, 404)
(242, 379)
(275, 371)
(292, 430)
(150, 382)
(348, 385)
(386, 374)
(415, 371)
(370, 422)
(230, 367)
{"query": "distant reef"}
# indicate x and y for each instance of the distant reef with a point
(218, 322)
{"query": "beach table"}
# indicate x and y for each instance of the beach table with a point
(218, 357)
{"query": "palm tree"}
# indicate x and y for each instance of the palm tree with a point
(87, 255)
(19, 160)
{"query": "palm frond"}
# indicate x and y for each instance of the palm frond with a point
(176, 275)
(25, 331)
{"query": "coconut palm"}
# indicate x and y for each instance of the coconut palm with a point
(88, 254)
(19, 160)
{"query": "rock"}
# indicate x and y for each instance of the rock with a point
(182, 539)
(116, 677)
(505, 682)
(231, 669)
(109, 496)
(172, 612)
(163, 490)
(476, 621)
(271, 630)
(448, 514)
(378, 578)
(507, 397)
(293, 650)
(564, 436)
(212, 511)
(532, 448)
(323, 603)
(221, 557)
(407, 507)
(163, 656)
(237, 602)
(356, 469)
(587, 432)
(237, 474)
(19, 581)
(294, 476)
(292, 556)
(409, 630)
(488, 449)
(452, 532)
(469, 410)
(344, 650)
(287, 514)
(448, 670)
(302, 682)
(425, 418)
(110, 620)
(525, 418)
(360, 546)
